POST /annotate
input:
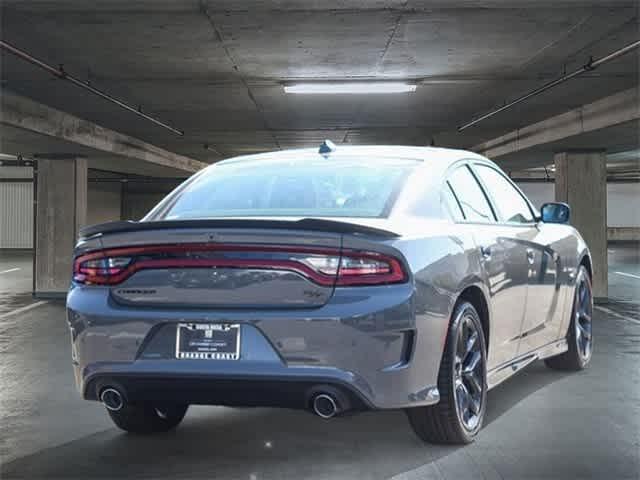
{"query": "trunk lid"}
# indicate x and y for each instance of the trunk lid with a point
(225, 263)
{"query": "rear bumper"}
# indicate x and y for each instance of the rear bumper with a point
(367, 342)
(239, 391)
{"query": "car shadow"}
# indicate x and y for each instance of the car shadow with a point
(262, 444)
(508, 394)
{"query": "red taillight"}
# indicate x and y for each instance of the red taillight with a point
(100, 270)
(359, 268)
(369, 269)
(324, 266)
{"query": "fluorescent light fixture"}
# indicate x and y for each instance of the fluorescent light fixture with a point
(350, 87)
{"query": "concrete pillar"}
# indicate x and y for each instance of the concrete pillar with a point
(581, 181)
(61, 210)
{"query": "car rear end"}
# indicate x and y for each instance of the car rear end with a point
(244, 310)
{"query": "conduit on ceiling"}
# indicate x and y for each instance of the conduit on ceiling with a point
(591, 65)
(61, 74)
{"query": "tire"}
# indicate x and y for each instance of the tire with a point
(580, 333)
(444, 422)
(148, 419)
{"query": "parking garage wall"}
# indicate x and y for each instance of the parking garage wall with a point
(136, 205)
(106, 202)
(623, 206)
(16, 207)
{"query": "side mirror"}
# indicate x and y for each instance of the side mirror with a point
(555, 212)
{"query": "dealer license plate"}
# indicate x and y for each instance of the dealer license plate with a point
(208, 341)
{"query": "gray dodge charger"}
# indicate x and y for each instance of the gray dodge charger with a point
(334, 280)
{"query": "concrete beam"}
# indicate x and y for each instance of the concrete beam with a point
(21, 112)
(613, 110)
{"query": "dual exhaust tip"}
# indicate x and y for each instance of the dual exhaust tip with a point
(112, 398)
(325, 404)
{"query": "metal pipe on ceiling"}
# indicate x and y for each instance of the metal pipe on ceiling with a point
(591, 65)
(61, 74)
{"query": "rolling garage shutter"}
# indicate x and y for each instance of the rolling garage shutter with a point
(16, 215)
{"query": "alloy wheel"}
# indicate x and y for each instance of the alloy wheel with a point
(583, 319)
(468, 374)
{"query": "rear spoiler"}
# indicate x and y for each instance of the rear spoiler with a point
(310, 224)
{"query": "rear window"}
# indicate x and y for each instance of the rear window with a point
(267, 188)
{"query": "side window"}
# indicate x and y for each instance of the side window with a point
(470, 196)
(507, 200)
(452, 202)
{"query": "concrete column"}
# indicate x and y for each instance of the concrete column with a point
(581, 181)
(61, 210)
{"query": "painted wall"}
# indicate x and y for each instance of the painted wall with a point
(104, 202)
(623, 201)
(16, 210)
(16, 172)
(623, 205)
(137, 205)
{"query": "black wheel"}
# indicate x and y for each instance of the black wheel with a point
(580, 332)
(457, 417)
(146, 419)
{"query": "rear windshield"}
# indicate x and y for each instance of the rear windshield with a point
(267, 188)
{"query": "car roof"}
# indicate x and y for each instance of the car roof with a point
(442, 157)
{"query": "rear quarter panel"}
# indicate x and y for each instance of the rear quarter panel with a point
(442, 262)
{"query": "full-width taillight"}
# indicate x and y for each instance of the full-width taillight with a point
(324, 266)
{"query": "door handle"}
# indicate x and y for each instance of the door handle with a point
(531, 256)
(486, 252)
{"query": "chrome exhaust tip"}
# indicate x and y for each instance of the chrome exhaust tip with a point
(112, 399)
(325, 406)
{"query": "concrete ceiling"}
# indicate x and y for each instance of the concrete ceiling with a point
(215, 69)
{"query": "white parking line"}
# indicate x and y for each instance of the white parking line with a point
(10, 270)
(637, 277)
(22, 309)
(618, 315)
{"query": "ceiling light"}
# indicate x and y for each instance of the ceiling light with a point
(350, 87)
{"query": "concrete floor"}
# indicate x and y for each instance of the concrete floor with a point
(540, 424)
(16, 273)
(624, 272)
